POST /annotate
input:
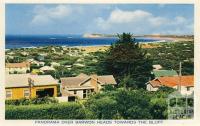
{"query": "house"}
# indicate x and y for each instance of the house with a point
(46, 68)
(35, 62)
(78, 65)
(157, 67)
(19, 86)
(11, 53)
(30, 60)
(163, 73)
(41, 63)
(69, 67)
(83, 85)
(186, 83)
(24, 53)
(54, 64)
(21, 68)
(35, 71)
(40, 57)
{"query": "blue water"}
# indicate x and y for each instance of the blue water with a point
(13, 41)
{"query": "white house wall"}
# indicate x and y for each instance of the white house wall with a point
(184, 90)
(18, 70)
(151, 88)
(79, 93)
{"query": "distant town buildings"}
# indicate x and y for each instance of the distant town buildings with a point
(18, 68)
(47, 68)
(157, 67)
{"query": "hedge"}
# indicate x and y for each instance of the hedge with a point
(23, 101)
(46, 111)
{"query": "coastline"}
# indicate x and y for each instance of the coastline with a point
(143, 43)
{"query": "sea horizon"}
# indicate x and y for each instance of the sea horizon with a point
(27, 41)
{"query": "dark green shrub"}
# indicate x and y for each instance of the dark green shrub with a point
(44, 100)
(104, 108)
(50, 111)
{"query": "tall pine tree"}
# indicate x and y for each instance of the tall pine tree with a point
(127, 61)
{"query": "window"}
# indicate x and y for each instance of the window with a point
(26, 93)
(75, 92)
(84, 93)
(188, 88)
(9, 94)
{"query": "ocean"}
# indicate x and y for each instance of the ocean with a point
(17, 41)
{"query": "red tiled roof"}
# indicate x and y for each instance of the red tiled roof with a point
(173, 81)
(17, 65)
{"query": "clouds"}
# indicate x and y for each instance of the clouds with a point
(99, 18)
(45, 15)
(143, 22)
(119, 16)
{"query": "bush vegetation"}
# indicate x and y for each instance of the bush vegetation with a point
(44, 111)
(131, 66)
(109, 104)
(24, 101)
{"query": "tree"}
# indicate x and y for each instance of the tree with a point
(108, 88)
(133, 104)
(158, 108)
(127, 58)
(103, 108)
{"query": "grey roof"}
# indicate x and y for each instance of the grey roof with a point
(107, 79)
(72, 81)
(16, 80)
(43, 80)
(164, 73)
(75, 82)
(21, 80)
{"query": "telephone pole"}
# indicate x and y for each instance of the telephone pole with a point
(180, 75)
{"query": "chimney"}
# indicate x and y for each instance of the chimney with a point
(94, 76)
(30, 82)
(94, 82)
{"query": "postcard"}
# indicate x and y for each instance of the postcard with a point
(100, 63)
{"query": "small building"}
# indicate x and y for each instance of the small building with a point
(24, 53)
(20, 68)
(35, 71)
(83, 85)
(78, 65)
(157, 67)
(41, 63)
(186, 83)
(29, 86)
(54, 64)
(40, 57)
(30, 60)
(163, 73)
(69, 67)
(46, 68)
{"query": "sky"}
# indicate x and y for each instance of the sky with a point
(137, 19)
